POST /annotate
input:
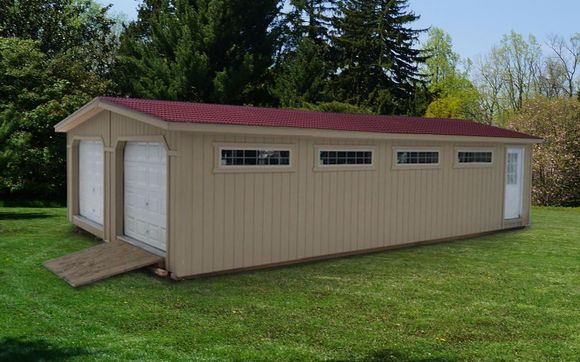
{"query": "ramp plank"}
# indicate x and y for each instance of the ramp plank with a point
(100, 262)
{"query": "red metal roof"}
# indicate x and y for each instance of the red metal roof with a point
(171, 111)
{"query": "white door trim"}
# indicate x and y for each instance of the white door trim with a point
(513, 182)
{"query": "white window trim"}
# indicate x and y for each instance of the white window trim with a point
(407, 166)
(345, 148)
(457, 164)
(219, 168)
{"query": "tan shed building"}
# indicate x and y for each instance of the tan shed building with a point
(213, 188)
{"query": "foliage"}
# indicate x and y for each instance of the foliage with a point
(446, 107)
(50, 65)
(310, 19)
(303, 76)
(336, 107)
(509, 296)
(351, 52)
(36, 93)
(304, 67)
(61, 26)
(517, 70)
(556, 165)
(442, 65)
(375, 55)
(212, 51)
(508, 76)
(456, 97)
(562, 67)
(519, 61)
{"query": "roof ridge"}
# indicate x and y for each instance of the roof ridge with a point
(286, 109)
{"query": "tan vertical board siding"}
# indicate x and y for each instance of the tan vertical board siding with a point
(256, 218)
(229, 220)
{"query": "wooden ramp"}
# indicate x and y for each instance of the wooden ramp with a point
(100, 262)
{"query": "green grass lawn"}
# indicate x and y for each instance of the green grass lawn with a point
(509, 296)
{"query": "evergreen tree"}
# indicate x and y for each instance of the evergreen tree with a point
(303, 76)
(310, 19)
(199, 50)
(377, 63)
(303, 71)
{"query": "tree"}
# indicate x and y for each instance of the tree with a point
(556, 163)
(54, 57)
(552, 79)
(508, 76)
(377, 63)
(520, 62)
(311, 19)
(303, 70)
(303, 76)
(199, 50)
(36, 92)
(60, 26)
(564, 62)
(442, 63)
(455, 95)
(490, 85)
(446, 107)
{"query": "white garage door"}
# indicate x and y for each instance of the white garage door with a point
(145, 185)
(91, 180)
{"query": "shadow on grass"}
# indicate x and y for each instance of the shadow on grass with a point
(19, 349)
(386, 355)
(23, 216)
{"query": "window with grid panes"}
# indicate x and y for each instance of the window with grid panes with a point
(474, 156)
(417, 157)
(345, 157)
(254, 157)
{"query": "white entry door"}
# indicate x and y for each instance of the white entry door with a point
(513, 183)
(145, 191)
(91, 180)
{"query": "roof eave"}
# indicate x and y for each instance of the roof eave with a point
(327, 133)
(80, 115)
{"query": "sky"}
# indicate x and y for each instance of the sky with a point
(474, 25)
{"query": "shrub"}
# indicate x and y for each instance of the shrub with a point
(556, 165)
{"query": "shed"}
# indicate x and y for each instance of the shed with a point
(217, 188)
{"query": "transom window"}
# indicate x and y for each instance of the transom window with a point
(474, 156)
(417, 157)
(345, 157)
(254, 157)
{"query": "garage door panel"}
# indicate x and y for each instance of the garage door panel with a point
(145, 190)
(156, 177)
(156, 205)
(130, 224)
(91, 180)
(156, 155)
